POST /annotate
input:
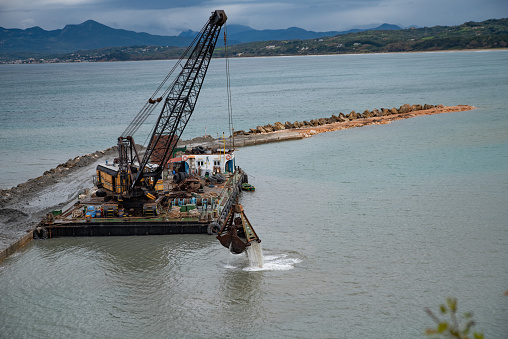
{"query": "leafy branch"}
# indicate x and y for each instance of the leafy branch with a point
(455, 328)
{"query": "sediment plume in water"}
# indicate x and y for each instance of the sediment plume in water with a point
(255, 254)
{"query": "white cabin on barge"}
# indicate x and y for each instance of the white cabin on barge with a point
(209, 162)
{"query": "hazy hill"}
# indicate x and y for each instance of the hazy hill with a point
(93, 35)
(491, 33)
(240, 33)
(88, 35)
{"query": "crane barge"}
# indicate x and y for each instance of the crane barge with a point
(136, 194)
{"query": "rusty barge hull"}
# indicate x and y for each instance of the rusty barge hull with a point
(122, 228)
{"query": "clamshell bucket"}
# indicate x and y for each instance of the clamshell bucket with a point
(238, 232)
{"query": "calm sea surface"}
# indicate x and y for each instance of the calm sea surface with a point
(361, 228)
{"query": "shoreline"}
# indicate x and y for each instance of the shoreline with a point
(270, 56)
(369, 53)
(22, 206)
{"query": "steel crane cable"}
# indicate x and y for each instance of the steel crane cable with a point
(230, 106)
(228, 85)
(149, 107)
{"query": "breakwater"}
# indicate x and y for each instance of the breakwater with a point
(341, 117)
(49, 177)
(304, 129)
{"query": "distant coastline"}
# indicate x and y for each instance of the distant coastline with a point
(33, 61)
(83, 43)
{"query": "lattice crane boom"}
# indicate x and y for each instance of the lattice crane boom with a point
(180, 102)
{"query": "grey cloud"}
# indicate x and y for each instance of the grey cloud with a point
(169, 17)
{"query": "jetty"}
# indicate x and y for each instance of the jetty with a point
(288, 131)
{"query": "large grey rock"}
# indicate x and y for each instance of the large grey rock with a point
(406, 108)
(323, 121)
(260, 129)
(288, 125)
(367, 114)
(268, 128)
(278, 126)
(352, 115)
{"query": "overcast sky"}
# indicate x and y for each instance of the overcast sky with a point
(170, 17)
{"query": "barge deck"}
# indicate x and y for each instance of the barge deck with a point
(201, 213)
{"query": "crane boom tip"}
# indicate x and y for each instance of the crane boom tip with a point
(219, 17)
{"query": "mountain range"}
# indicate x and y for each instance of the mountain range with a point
(239, 33)
(93, 35)
(87, 35)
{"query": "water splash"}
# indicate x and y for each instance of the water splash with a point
(255, 255)
(259, 262)
(280, 262)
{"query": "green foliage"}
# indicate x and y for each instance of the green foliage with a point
(455, 328)
(471, 35)
(117, 56)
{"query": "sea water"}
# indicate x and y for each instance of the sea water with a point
(361, 228)
(52, 112)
